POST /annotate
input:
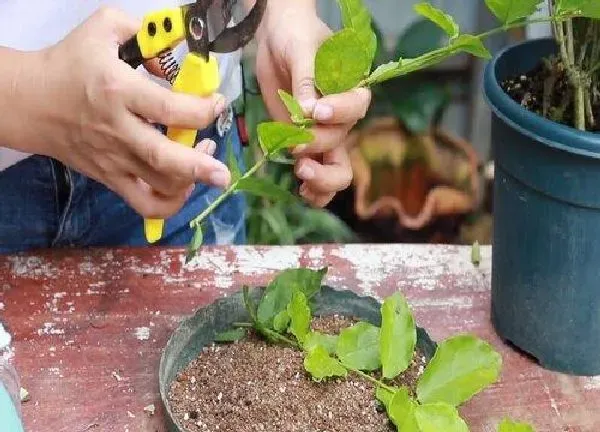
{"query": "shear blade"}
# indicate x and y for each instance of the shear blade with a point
(234, 38)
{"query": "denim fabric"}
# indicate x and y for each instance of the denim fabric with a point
(34, 214)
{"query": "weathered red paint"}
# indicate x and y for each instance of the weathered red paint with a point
(73, 317)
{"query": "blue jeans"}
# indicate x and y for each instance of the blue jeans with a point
(43, 204)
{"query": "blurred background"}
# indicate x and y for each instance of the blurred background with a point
(421, 158)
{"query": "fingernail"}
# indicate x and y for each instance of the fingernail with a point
(190, 191)
(219, 178)
(220, 105)
(306, 172)
(208, 146)
(323, 112)
(308, 105)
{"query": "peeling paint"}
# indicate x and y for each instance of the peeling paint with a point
(252, 261)
(31, 266)
(142, 333)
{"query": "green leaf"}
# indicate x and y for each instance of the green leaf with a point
(358, 347)
(341, 63)
(276, 136)
(472, 45)
(300, 316)
(438, 417)
(385, 72)
(279, 292)
(417, 104)
(385, 396)
(263, 187)
(327, 341)
(476, 253)
(443, 20)
(281, 321)
(321, 365)
(398, 336)
(295, 109)
(357, 17)
(462, 366)
(249, 304)
(401, 411)
(584, 8)
(195, 243)
(232, 164)
(507, 425)
(510, 11)
(231, 335)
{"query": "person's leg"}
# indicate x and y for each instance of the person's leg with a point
(31, 194)
(98, 217)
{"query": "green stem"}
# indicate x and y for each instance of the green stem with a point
(550, 19)
(242, 325)
(232, 188)
(373, 380)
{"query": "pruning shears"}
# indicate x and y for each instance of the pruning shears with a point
(198, 74)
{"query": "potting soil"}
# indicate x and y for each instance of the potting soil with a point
(252, 386)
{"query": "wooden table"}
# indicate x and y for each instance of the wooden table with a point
(88, 327)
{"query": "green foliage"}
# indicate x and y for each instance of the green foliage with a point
(507, 425)
(275, 136)
(358, 347)
(300, 316)
(511, 11)
(357, 17)
(265, 188)
(439, 416)
(443, 20)
(461, 367)
(472, 45)
(341, 63)
(295, 110)
(398, 336)
(321, 365)
(280, 291)
(584, 8)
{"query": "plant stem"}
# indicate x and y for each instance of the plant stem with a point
(242, 325)
(575, 76)
(232, 188)
(373, 380)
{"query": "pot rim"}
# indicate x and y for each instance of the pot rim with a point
(528, 123)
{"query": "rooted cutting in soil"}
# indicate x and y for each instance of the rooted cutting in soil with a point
(253, 386)
(546, 91)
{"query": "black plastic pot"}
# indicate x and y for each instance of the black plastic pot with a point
(200, 329)
(546, 244)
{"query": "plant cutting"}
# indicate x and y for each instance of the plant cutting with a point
(345, 61)
(298, 364)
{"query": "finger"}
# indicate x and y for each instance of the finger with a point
(161, 105)
(145, 201)
(315, 199)
(333, 175)
(207, 146)
(172, 159)
(325, 139)
(118, 22)
(302, 64)
(343, 108)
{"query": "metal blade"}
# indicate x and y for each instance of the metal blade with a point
(233, 38)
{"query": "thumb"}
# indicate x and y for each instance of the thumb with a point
(303, 78)
(122, 26)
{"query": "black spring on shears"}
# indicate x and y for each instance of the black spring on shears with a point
(168, 65)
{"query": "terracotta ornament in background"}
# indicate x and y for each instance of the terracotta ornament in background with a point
(415, 179)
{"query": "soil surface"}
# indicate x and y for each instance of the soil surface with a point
(546, 91)
(253, 386)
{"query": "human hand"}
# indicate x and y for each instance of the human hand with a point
(288, 40)
(90, 110)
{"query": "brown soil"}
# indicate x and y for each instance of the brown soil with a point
(546, 91)
(252, 386)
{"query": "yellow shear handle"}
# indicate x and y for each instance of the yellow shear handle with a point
(200, 78)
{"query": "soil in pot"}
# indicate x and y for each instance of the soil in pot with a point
(547, 91)
(253, 386)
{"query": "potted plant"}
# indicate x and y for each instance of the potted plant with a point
(299, 356)
(544, 95)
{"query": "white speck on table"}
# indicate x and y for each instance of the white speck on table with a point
(142, 333)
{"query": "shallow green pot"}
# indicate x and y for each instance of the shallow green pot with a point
(199, 330)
